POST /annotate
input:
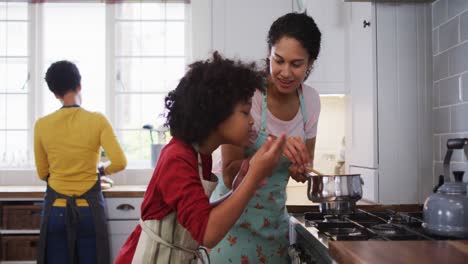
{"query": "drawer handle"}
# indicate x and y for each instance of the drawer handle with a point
(125, 207)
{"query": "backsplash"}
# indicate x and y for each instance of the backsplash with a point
(330, 135)
(331, 132)
(450, 91)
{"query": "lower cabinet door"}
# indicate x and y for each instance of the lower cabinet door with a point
(119, 231)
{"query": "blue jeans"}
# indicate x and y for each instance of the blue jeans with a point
(57, 245)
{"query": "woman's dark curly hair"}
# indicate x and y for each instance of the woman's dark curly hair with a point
(299, 26)
(207, 95)
(62, 76)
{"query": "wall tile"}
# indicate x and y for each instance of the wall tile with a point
(455, 7)
(448, 34)
(457, 60)
(438, 170)
(436, 94)
(465, 87)
(441, 120)
(441, 66)
(464, 26)
(448, 91)
(436, 148)
(435, 41)
(439, 13)
(459, 118)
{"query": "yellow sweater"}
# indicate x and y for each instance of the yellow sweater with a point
(66, 148)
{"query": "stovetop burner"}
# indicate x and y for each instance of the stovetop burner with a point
(385, 229)
(363, 225)
(341, 230)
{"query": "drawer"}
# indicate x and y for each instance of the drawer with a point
(18, 247)
(123, 208)
(21, 216)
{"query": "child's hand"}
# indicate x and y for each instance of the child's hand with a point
(267, 157)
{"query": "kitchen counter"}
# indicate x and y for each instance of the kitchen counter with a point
(38, 191)
(394, 252)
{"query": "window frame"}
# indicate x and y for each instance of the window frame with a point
(35, 68)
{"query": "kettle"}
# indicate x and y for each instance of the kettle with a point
(445, 212)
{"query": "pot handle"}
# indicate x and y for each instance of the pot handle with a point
(453, 143)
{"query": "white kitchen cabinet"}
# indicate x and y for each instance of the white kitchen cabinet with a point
(362, 131)
(119, 231)
(123, 215)
(328, 75)
(389, 73)
(240, 27)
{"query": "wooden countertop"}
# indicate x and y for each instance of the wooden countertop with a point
(38, 191)
(394, 252)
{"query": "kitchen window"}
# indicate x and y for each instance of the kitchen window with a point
(14, 89)
(130, 54)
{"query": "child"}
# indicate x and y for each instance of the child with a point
(210, 106)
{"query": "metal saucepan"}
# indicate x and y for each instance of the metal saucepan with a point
(337, 194)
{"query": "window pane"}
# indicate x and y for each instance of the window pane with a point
(175, 11)
(68, 36)
(17, 114)
(175, 69)
(140, 38)
(128, 38)
(13, 73)
(148, 74)
(136, 145)
(152, 34)
(17, 38)
(3, 112)
(15, 11)
(3, 38)
(135, 110)
(14, 152)
(137, 11)
(153, 10)
(175, 39)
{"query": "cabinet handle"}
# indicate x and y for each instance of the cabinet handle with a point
(125, 207)
(365, 23)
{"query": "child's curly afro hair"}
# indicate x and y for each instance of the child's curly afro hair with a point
(207, 95)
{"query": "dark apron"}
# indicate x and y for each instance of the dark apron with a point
(95, 201)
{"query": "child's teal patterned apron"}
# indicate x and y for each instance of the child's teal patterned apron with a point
(261, 234)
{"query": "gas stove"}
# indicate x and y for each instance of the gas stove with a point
(313, 231)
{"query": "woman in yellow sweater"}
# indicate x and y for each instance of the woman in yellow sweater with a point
(66, 147)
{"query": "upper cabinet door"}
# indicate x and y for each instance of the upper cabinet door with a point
(240, 27)
(362, 134)
(328, 74)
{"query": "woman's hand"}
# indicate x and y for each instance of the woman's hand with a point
(297, 173)
(296, 151)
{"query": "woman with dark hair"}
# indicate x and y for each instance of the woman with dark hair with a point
(286, 105)
(209, 107)
(67, 145)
